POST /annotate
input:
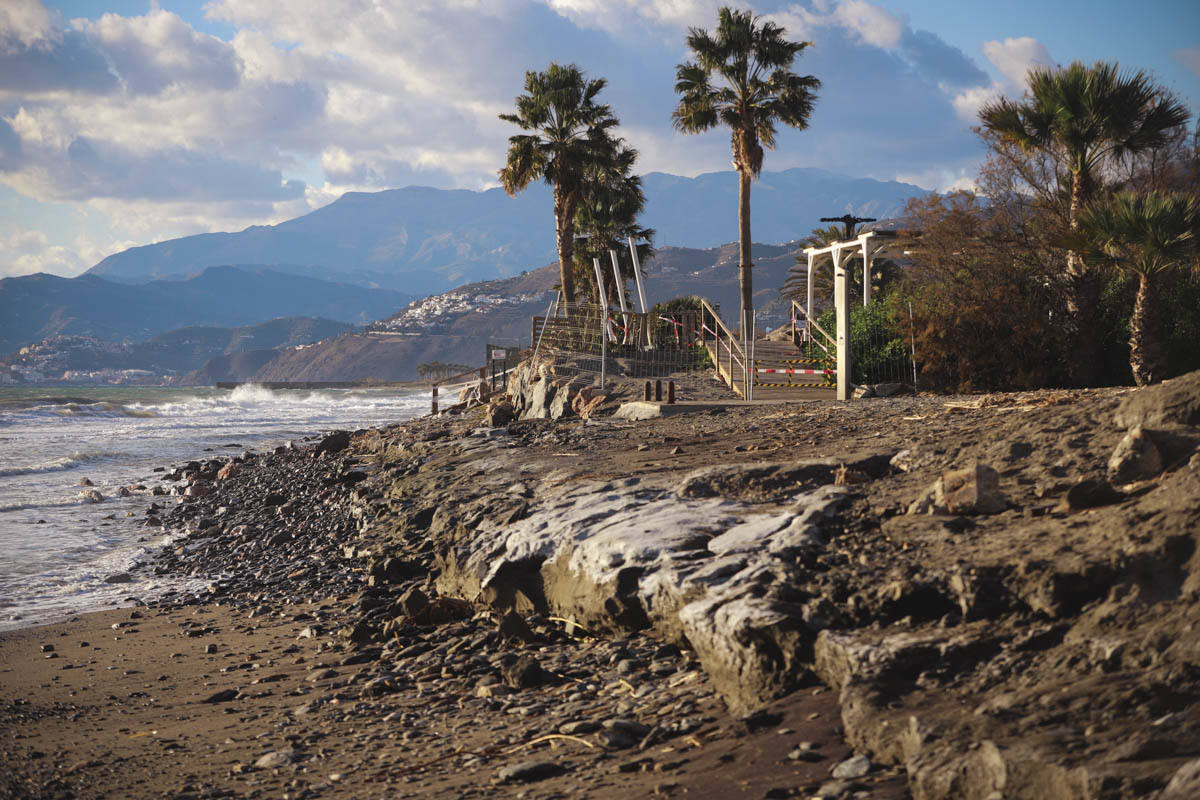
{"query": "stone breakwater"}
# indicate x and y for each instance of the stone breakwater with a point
(1002, 591)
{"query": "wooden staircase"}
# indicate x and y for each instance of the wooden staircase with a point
(782, 372)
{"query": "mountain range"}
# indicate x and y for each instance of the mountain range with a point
(421, 240)
(35, 307)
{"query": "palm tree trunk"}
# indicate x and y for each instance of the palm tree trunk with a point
(1083, 295)
(744, 264)
(1147, 359)
(564, 230)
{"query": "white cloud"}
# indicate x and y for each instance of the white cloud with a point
(1015, 57)
(159, 50)
(25, 24)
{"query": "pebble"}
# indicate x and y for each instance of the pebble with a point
(855, 767)
(277, 758)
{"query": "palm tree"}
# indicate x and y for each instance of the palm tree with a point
(741, 78)
(1086, 118)
(1144, 235)
(570, 138)
(610, 203)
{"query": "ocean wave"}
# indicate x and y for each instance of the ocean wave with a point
(66, 462)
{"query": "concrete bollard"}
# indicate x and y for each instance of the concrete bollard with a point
(647, 398)
(658, 391)
(670, 393)
(435, 398)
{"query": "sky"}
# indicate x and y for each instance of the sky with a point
(127, 122)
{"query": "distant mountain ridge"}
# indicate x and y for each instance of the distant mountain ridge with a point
(36, 307)
(422, 240)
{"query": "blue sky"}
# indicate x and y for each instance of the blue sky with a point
(124, 122)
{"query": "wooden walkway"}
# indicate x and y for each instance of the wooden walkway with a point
(772, 380)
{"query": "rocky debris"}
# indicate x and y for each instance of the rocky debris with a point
(1047, 653)
(91, 496)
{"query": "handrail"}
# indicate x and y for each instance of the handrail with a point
(810, 321)
(717, 318)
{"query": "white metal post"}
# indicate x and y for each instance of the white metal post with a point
(620, 283)
(841, 298)
(866, 251)
(808, 309)
(641, 289)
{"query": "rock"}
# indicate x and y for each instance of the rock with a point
(277, 758)
(334, 443)
(228, 471)
(593, 406)
(499, 412)
(91, 496)
(1174, 402)
(413, 601)
(392, 571)
(1185, 783)
(540, 399)
(863, 392)
(223, 696)
(513, 626)
(524, 673)
(855, 767)
(198, 489)
(274, 499)
(529, 771)
(119, 577)
(1136, 458)
(628, 727)
(124, 492)
(1091, 493)
(973, 490)
(579, 727)
(85, 482)
(564, 393)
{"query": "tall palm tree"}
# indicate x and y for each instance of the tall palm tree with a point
(1144, 235)
(570, 137)
(610, 203)
(1087, 118)
(741, 78)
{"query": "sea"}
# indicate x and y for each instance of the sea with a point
(56, 547)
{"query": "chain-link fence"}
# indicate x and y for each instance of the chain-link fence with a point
(587, 339)
(880, 349)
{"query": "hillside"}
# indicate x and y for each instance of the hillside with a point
(38, 307)
(456, 326)
(422, 240)
(88, 359)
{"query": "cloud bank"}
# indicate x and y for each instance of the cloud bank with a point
(168, 130)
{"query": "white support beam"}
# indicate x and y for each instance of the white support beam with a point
(866, 251)
(841, 295)
(620, 283)
(808, 308)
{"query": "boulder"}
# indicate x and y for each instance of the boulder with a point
(91, 496)
(228, 471)
(1172, 403)
(499, 412)
(335, 442)
(1135, 458)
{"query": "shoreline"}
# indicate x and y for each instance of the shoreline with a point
(396, 622)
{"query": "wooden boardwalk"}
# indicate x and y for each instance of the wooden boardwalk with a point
(777, 384)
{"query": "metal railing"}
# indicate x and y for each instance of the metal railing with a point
(829, 345)
(711, 325)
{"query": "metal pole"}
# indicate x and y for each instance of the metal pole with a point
(637, 277)
(620, 283)
(603, 346)
(435, 398)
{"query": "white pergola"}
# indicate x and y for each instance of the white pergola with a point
(840, 254)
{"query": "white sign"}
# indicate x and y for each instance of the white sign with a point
(498, 355)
